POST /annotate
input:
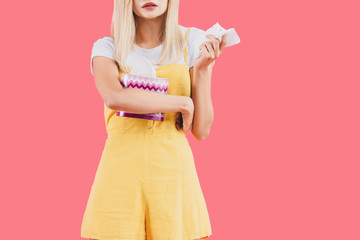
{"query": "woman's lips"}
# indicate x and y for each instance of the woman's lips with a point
(149, 4)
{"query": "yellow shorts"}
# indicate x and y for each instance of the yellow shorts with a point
(146, 187)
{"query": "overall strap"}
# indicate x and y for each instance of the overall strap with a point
(185, 50)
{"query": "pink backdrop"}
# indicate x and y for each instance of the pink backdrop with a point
(282, 158)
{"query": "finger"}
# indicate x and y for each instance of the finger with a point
(210, 50)
(216, 43)
(201, 51)
(185, 129)
(202, 45)
(207, 51)
(223, 42)
(204, 50)
(211, 38)
(188, 125)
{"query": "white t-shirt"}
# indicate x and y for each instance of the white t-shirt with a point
(105, 47)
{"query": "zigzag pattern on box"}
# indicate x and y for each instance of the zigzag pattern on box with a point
(156, 87)
(146, 83)
(159, 85)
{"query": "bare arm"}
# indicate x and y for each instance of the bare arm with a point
(200, 75)
(133, 100)
(201, 96)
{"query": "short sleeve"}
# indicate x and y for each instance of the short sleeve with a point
(193, 34)
(102, 47)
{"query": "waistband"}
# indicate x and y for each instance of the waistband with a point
(147, 132)
(118, 127)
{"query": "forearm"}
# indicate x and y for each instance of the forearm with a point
(203, 108)
(141, 101)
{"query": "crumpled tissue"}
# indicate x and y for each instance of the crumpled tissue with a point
(231, 37)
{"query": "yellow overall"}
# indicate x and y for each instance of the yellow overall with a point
(146, 185)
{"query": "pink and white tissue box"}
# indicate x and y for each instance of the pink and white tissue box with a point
(154, 84)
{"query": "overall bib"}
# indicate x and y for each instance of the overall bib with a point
(146, 185)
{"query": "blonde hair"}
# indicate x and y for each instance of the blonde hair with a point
(123, 33)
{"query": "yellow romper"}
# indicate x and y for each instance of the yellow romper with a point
(146, 185)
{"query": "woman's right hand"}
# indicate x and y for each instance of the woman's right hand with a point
(185, 116)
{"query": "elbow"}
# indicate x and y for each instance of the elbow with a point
(202, 133)
(110, 103)
(113, 102)
(202, 136)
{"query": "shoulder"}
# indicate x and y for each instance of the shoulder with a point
(105, 40)
(102, 47)
(183, 29)
(193, 33)
(104, 44)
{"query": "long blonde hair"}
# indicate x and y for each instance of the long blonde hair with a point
(123, 33)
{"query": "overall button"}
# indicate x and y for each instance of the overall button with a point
(149, 127)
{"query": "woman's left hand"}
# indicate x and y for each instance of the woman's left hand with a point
(209, 51)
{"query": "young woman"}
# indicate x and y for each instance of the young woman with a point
(146, 185)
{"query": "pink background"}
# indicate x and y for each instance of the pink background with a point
(282, 159)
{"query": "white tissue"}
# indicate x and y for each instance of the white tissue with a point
(231, 37)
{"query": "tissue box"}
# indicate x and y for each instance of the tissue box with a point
(159, 85)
